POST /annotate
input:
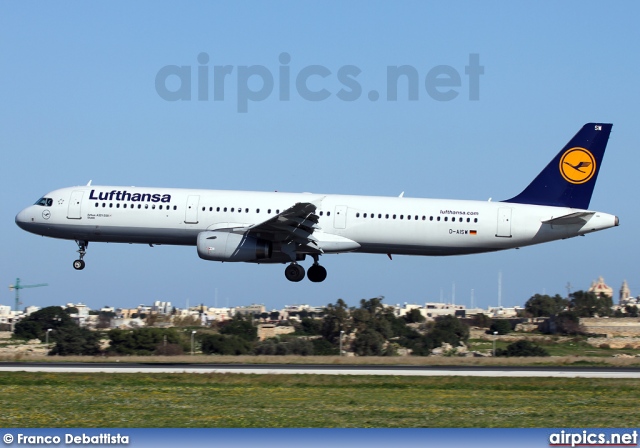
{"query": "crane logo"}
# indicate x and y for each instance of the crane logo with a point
(577, 165)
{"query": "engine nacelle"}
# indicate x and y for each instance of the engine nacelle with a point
(227, 246)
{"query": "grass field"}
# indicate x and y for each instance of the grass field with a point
(269, 401)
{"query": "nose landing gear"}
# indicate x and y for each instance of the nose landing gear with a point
(79, 264)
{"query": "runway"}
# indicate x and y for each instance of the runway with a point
(317, 369)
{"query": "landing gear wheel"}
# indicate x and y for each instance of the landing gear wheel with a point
(294, 272)
(78, 265)
(317, 273)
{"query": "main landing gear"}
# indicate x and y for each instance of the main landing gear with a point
(78, 265)
(316, 273)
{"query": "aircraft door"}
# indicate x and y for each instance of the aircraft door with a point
(191, 212)
(75, 204)
(340, 218)
(504, 222)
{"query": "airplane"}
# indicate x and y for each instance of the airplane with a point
(275, 227)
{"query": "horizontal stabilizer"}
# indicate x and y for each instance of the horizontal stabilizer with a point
(570, 219)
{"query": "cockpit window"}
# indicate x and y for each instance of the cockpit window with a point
(44, 202)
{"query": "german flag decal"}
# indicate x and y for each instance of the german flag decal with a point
(473, 232)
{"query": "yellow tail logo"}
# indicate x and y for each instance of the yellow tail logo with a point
(577, 165)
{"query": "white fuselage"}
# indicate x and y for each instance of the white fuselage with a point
(388, 225)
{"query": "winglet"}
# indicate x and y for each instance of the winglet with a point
(568, 180)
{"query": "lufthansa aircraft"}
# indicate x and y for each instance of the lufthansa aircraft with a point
(264, 227)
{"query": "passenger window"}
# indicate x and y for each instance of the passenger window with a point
(438, 218)
(257, 210)
(104, 205)
(175, 207)
(475, 219)
(328, 213)
(357, 215)
(97, 204)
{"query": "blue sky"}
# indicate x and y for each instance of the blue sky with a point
(79, 102)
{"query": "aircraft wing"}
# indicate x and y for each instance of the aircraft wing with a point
(294, 225)
(570, 219)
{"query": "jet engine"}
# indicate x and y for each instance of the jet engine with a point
(227, 246)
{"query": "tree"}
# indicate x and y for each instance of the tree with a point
(631, 310)
(522, 348)
(501, 326)
(566, 322)
(221, 344)
(104, 319)
(73, 340)
(240, 326)
(337, 318)
(368, 343)
(481, 320)
(449, 329)
(35, 325)
(587, 304)
(414, 316)
(545, 306)
(309, 327)
(322, 347)
(143, 341)
(267, 347)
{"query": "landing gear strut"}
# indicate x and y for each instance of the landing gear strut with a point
(78, 265)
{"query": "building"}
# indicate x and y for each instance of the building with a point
(251, 310)
(625, 297)
(162, 307)
(600, 287)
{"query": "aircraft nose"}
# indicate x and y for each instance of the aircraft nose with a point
(22, 219)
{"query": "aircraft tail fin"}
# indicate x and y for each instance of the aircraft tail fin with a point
(568, 180)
